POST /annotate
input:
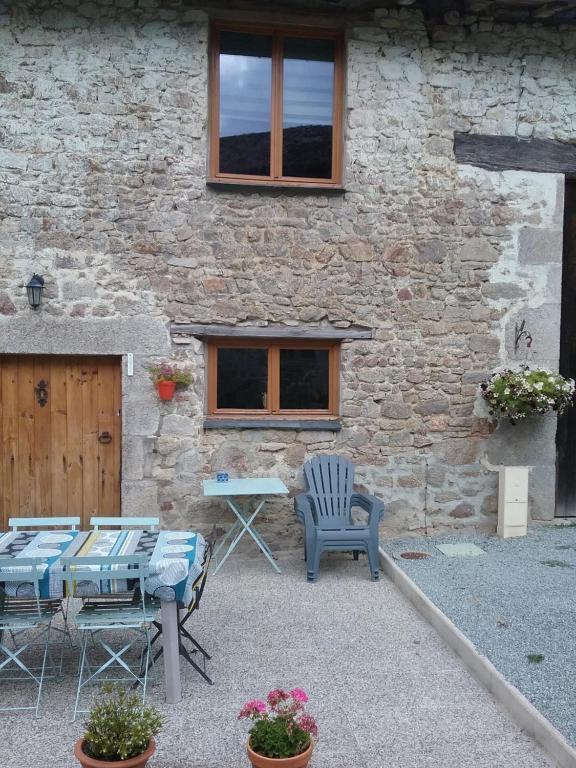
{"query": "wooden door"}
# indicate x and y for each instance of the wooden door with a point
(60, 429)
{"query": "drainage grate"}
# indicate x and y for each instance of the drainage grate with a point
(414, 555)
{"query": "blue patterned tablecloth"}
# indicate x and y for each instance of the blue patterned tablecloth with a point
(175, 556)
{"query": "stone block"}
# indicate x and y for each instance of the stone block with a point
(506, 291)
(540, 246)
(490, 345)
(543, 324)
(542, 492)
(462, 510)
(531, 442)
(132, 458)
(13, 161)
(478, 249)
(42, 334)
(175, 424)
(139, 419)
(431, 252)
(139, 498)
(429, 407)
(391, 409)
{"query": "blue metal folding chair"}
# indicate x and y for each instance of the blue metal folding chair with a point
(147, 523)
(18, 617)
(68, 523)
(16, 523)
(189, 653)
(110, 611)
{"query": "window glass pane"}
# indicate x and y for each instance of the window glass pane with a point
(242, 378)
(245, 103)
(304, 376)
(308, 102)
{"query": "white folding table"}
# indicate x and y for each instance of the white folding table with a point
(245, 497)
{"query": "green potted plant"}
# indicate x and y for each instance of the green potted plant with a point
(283, 733)
(119, 732)
(167, 377)
(527, 392)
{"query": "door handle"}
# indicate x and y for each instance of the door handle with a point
(105, 437)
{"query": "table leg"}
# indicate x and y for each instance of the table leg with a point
(243, 526)
(247, 522)
(171, 653)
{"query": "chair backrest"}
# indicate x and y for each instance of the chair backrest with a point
(148, 523)
(70, 523)
(200, 583)
(104, 569)
(330, 482)
(25, 572)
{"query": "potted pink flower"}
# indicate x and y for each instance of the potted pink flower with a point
(283, 733)
(167, 377)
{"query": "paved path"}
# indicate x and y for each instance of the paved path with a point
(385, 689)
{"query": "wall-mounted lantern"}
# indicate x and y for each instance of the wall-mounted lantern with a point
(34, 290)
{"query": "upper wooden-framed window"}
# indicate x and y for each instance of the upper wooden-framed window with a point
(276, 103)
(262, 377)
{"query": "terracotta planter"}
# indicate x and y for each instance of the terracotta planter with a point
(166, 389)
(134, 762)
(298, 761)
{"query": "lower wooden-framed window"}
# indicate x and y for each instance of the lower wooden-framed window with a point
(258, 377)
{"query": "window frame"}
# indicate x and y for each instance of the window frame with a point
(277, 32)
(273, 409)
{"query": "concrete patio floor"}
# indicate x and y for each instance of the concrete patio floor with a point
(384, 688)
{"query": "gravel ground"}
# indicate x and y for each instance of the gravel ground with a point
(516, 602)
(386, 690)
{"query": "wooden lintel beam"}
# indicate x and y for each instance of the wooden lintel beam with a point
(269, 332)
(507, 153)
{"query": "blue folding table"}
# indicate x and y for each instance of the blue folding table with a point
(245, 497)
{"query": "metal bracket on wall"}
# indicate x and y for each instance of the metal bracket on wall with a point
(41, 390)
(520, 333)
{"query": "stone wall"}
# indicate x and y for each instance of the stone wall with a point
(103, 141)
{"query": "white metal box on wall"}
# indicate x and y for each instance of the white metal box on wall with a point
(513, 501)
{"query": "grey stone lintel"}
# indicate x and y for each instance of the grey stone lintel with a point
(269, 332)
(225, 185)
(325, 425)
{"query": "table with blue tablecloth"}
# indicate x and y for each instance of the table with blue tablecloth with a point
(175, 562)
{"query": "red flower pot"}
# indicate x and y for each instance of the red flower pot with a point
(298, 761)
(166, 389)
(134, 762)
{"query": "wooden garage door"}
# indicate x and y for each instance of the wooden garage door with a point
(60, 424)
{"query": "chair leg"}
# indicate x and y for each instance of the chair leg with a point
(186, 655)
(46, 647)
(374, 560)
(194, 642)
(147, 665)
(83, 644)
(313, 563)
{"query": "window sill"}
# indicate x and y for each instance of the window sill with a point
(327, 425)
(303, 188)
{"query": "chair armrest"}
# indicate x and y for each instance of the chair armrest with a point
(303, 509)
(370, 504)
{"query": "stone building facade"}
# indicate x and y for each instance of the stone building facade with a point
(103, 152)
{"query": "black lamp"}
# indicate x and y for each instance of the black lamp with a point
(34, 290)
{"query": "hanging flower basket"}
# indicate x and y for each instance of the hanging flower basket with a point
(527, 392)
(167, 377)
